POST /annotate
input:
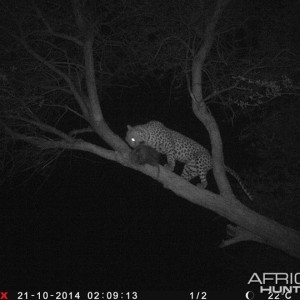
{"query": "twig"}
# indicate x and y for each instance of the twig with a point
(52, 32)
(80, 131)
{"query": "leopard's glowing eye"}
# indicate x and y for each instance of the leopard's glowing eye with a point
(133, 139)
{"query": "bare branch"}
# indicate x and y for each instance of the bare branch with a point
(201, 55)
(237, 234)
(175, 38)
(81, 131)
(66, 107)
(52, 32)
(235, 85)
(46, 128)
(70, 143)
(64, 76)
(54, 69)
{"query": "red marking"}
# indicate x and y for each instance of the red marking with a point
(4, 295)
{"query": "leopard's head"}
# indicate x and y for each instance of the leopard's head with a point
(135, 136)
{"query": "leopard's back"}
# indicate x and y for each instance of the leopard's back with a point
(153, 134)
(166, 141)
(175, 145)
(187, 149)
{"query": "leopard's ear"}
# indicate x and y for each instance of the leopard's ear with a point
(129, 127)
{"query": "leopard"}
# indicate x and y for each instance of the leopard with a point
(177, 147)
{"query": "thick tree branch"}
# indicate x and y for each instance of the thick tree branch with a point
(199, 106)
(81, 131)
(251, 225)
(96, 118)
(95, 109)
(201, 55)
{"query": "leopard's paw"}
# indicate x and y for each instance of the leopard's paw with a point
(201, 185)
(169, 167)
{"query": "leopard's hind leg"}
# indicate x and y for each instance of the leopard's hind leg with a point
(194, 168)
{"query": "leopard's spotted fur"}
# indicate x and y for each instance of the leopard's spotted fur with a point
(197, 160)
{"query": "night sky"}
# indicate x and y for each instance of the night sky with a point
(94, 224)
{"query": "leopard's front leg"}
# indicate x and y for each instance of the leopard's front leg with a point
(170, 151)
(171, 161)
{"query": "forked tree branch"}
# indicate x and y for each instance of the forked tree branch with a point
(237, 234)
(200, 109)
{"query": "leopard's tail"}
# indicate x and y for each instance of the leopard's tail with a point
(237, 177)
